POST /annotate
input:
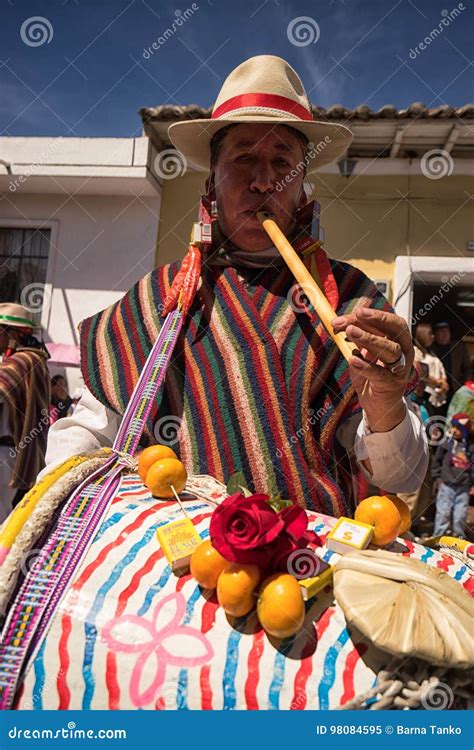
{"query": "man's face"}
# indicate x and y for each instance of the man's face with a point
(250, 176)
(442, 335)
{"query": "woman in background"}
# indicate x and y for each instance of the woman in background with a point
(436, 382)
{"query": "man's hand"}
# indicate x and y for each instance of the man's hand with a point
(381, 338)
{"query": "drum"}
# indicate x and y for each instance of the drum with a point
(130, 634)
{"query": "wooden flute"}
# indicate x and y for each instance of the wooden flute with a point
(306, 281)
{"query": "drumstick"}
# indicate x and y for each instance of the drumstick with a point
(306, 281)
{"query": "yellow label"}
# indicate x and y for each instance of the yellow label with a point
(353, 533)
(178, 539)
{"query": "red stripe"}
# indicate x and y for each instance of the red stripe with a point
(272, 101)
(61, 682)
(206, 690)
(300, 697)
(253, 674)
(348, 674)
(113, 687)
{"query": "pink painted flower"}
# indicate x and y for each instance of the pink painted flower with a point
(162, 641)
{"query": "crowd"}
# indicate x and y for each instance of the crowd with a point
(444, 401)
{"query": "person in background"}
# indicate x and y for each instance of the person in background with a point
(453, 354)
(453, 470)
(463, 399)
(419, 502)
(61, 401)
(419, 396)
(24, 402)
(436, 382)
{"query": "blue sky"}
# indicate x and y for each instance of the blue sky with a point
(92, 75)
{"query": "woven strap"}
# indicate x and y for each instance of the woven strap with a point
(136, 413)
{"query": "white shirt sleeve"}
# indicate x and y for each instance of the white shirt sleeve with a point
(399, 458)
(91, 426)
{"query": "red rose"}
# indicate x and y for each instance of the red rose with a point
(243, 529)
(295, 521)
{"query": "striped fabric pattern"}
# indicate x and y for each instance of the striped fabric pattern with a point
(126, 576)
(256, 386)
(25, 390)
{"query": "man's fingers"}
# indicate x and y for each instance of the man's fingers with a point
(375, 374)
(378, 347)
(379, 323)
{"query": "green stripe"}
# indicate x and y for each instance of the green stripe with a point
(16, 319)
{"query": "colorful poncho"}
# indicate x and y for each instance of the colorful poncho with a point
(255, 385)
(25, 391)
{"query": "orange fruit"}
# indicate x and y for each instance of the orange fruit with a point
(382, 514)
(235, 588)
(404, 511)
(162, 474)
(207, 564)
(280, 606)
(149, 455)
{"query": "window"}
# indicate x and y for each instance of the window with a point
(23, 266)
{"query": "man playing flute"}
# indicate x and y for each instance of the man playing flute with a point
(256, 383)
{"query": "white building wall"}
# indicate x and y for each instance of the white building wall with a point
(100, 246)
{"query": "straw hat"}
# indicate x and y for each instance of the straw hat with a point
(15, 315)
(263, 89)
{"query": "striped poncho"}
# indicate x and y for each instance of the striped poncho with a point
(256, 384)
(25, 391)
